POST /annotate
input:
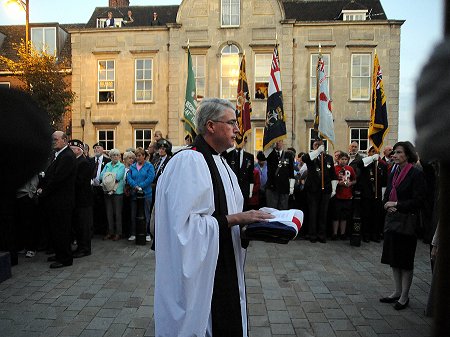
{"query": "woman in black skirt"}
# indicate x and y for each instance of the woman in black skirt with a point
(404, 195)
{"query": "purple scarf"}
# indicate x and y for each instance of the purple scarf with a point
(397, 180)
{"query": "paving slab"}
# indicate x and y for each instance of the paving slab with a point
(299, 289)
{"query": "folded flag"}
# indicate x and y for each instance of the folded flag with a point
(283, 228)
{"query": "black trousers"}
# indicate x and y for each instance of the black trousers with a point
(82, 225)
(317, 214)
(372, 218)
(60, 221)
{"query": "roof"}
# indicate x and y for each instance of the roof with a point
(142, 14)
(329, 10)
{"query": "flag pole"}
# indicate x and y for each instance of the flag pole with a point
(317, 109)
(376, 179)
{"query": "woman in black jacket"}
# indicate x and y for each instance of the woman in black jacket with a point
(403, 198)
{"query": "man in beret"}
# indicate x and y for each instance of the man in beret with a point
(82, 213)
(98, 162)
(57, 194)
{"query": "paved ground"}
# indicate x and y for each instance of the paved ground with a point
(301, 289)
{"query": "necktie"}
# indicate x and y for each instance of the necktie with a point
(94, 174)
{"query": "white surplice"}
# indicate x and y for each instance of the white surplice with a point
(187, 245)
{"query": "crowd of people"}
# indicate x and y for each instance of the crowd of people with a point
(76, 196)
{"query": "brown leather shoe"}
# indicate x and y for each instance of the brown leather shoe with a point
(116, 237)
(107, 237)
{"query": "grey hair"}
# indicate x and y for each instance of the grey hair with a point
(113, 152)
(128, 154)
(210, 109)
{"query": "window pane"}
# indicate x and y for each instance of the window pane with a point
(229, 71)
(50, 40)
(143, 80)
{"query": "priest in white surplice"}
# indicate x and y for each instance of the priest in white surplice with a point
(199, 276)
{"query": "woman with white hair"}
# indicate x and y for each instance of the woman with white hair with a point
(112, 178)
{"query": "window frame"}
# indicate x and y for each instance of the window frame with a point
(136, 80)
(101, 22)
(145, 141)
(8, 84)
(222, 13)
(313, 73)
(360, 77)
(264, 84)
(44, 45)
(113, 90)
(312, 137)
(107, 140)
(230, 78)
(359, 139)
(195, 58)
(354, 15)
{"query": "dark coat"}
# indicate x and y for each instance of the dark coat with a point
(58, 184)
(313, 181)
(367, 178)
(244, 172)
(83, 189)
(159, 169)
(410, 193)
(105, 161)
(279, 171)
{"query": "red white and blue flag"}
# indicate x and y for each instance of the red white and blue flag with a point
(275, 128)
(323, 122)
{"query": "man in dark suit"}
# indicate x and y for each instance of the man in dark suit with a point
(98, 162)
(318, 193)
(242, 163)
(57, 194)
(280, 177)
(82, 213)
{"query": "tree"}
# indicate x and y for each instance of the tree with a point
(44, 78)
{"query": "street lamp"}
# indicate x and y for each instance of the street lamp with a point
(25, 4)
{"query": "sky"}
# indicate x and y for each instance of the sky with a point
(421, 31)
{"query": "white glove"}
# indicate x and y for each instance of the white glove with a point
(291, 186)
(370, 159)
(383, 190)
(314, 154)
(334, 184)
(251, 191)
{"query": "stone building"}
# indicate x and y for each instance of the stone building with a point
(130, 78)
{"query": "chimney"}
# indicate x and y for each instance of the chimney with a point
(119, 3)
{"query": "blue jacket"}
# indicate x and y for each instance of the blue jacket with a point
(142, 178)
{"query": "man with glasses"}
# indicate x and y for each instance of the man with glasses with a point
(199, 275)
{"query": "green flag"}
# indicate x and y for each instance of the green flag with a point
(190, 101)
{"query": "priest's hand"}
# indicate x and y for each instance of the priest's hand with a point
(247, 217)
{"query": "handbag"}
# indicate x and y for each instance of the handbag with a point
(401, 223)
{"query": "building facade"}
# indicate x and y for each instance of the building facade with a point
(130, 78)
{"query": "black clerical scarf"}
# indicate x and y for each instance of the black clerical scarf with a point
(225, 304)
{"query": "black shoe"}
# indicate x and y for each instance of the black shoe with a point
(399, 306)
(313, 240)
(77, 255)
(322, 240)
(51, 258)
(56, 265)
(334, 237)
(343, 237)
(389, 299)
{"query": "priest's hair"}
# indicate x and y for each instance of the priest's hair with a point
(210, 109)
